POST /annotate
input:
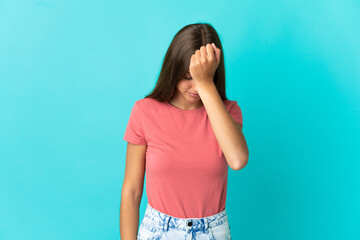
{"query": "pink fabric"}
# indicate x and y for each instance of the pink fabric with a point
(186, 171)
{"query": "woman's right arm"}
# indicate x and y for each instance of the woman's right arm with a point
(132, 190)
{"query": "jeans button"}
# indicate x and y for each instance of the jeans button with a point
(189, 224)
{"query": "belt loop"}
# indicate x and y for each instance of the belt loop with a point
(206, 225)
(166, 223)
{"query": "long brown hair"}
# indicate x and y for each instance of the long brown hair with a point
(177, 60)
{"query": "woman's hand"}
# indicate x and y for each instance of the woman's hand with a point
(204, 63)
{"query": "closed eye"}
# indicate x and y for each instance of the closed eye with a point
(188, 74)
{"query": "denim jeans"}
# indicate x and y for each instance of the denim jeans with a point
(157, 225)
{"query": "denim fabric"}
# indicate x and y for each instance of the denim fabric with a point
(157, 225)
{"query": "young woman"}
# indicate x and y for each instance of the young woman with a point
(185, 134)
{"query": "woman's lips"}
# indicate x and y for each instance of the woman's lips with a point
(194, 95)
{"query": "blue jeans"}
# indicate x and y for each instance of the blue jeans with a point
(157, 225)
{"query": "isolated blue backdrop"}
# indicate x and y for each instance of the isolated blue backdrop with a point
(71, 71)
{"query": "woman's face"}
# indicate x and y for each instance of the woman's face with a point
(186, 95)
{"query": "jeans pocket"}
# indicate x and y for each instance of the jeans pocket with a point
(221, 232)
(148, 230)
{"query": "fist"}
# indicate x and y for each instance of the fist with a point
(204, 63)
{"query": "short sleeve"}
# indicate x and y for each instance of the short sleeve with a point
(236, 114)
(134, 132)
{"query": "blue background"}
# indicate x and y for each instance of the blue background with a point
(71, 71)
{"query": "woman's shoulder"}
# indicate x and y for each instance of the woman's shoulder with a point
(229, 103)
(149, 103)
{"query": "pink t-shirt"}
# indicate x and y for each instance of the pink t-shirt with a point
(186, 171)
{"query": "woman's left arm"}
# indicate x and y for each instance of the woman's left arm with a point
(227, 132)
